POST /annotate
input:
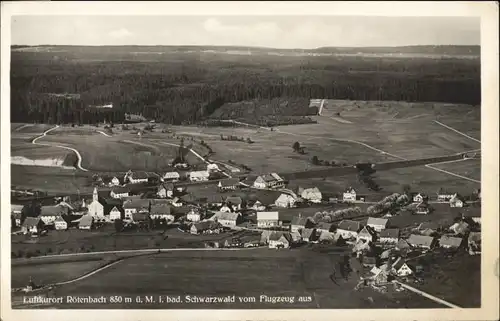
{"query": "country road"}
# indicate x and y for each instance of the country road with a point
(456, 131)
(78, 155)
(427, 295)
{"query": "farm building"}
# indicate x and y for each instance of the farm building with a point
(349, 195)
(226, 219)
(213, 200)
(234, 202)
(171, 177)
(450, 242)
(313, 195)
(323, 227)
(165, 190)
(474, 243)
(60, 223)
(421, 241)
(267, 219)
(459, 228)
(309, 235)
(272, 180)
(378, 224)
(205, 227)
(32, 225)
(120, 192)
(457, 201)
(280, 240)
(136, 177)
(48, 214)
(285, 201)
(161, 211)
(199, 176)
(389, 236)
(348, 229)
(299, 223)
(136, 206)
(86, 222)
(229, 184)
(403, 245)
(367, 233)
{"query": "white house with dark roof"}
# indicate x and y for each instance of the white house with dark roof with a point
(165, 190)
(285, 201)
(389, 236)
(48, 214)
(226, 219)
(161, 211)
(457, 201)
(229, 184)
(194, 215)
(171, 176)
(349, 229)
(119, 192)
(421, 241)
(116, 213)
(135, 206)
(349, 195)
(268, 219)
(32, 225)
(60, 223)
(299, 222)
(378, 224)
(367, 233)
(280, 239)
(401, 268)
(272, 180)
(136, 177)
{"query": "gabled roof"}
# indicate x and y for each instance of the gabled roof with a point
(275, 236)
(348, 225)
(53, 210)
(377, 221)
(284, 197)
(475, 237)
(171, 174)
(32, 221)
(109, 208)
(86, 220)
(399, 263)
(120, 190)
(391, 232)
(225, 216)
(267, 216)
(139, 175)
(139, 216)
(16, 208)
(324, 226)
(235, 200)
(166, 186)
(137, 203)
(301, 221)
(60, 219)
(307, 232)
(415, 239)
(366, 230)
(229, 182)
(161, 209)
(273, 177)
(450, 241)
(428, 225)
(205, 225)
(350, 190)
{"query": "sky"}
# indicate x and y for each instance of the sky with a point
(261, 31)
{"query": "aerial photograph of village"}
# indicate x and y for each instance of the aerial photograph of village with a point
(325, 174)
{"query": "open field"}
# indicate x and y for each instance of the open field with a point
(262, 271)
(469, 168)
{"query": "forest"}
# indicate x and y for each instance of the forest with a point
(64, 85)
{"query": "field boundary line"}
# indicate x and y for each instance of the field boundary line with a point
(427, 295)
(101, 132)
(456, 131)
(453, 174)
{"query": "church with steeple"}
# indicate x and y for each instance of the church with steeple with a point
(96, 209)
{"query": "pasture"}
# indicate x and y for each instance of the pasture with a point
(300, 272)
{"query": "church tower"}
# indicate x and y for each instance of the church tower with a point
(95, 196)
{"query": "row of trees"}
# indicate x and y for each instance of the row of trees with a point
(388, 204)
(347, 213)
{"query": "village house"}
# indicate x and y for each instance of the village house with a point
(229, 184)
(312, 195)
(161, 211)
(285, 201)
(234, 202)
(349, 195)
(226, 219)
(403, 245)
(280, 240)
(60, 223)
(379, 276)
(450, 242)
(378, 224)
(32, 225)
(367, 233)
(421, 241)
(296, 237)
(309, 235)
(114, 182)
(199, 176)
(473, 216)
(194, 215)
(16, 211)
(389, 236)
(48, 214)
(474, 243)
(420, 198)
(444, 196)
(267, 219)
(205, 227)
(299, 223)
(120, 192)
(348, 229)
(258, 206)
(212, 167)
(272, 180)
(427, 228)
(171, 177)
(401, 268)
(226, 208)
(422, 209)
(457, 201)
(135, 206)
(136, 177)
(116, 213)
(165, 190)
(459, 228)
(213, 200)
(140, 217)
(86, 222)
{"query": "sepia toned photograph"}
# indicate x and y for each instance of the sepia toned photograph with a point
(237, 161)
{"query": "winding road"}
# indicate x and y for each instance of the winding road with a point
(78, 155)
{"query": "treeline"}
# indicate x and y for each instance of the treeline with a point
(186, 90)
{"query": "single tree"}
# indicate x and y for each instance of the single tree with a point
(296, 146)
(315, 160)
